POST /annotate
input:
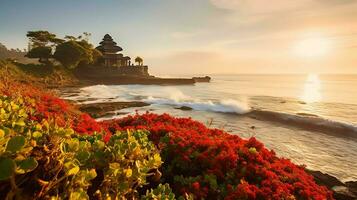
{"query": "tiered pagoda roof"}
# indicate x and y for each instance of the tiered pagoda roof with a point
(107, 45)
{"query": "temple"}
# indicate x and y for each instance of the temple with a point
(115, 68)
(112, 59)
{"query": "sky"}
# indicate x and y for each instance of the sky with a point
(202, 36)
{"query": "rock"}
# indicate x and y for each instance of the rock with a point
(184, 108)
(341, 191)
(352, 185)
(202, 79)
(325, 179)
(98, 110)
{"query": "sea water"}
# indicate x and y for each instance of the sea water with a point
(329, 101)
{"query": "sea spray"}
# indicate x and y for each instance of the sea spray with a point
(224, 106)
(99, 91)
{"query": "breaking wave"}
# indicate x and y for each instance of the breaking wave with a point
(308, 122)
(174, 97)
(224, 106)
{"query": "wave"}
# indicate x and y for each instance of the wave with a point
(99, 91)
(173, 96)
(308, 122)
(224, 106)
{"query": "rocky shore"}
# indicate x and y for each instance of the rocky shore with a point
(341, 191)
(99, 110)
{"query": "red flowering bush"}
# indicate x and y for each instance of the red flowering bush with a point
(210, 163)
(47, 106)
(197, 161)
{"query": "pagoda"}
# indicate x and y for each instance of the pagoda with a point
(110, 53)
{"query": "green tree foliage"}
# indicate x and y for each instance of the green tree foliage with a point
(43, 38)
(70, 54)
(83, 53)
(43, 53)
(139, 60)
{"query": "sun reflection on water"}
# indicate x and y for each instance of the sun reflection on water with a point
(311, 91)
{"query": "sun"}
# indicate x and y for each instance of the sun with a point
(312, 47)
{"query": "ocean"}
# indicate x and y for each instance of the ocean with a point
(310, 119)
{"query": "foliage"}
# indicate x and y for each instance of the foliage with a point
(163, 192)
(70, 51)
(70, 54)
(92, 54)
(48, 149)
(139, 60)
(41, 52)
(43, 38)
(210, 163)
(41, 156)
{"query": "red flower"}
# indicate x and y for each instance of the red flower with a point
(196, 185)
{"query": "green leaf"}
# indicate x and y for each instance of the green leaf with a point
(27, 165)
(157, 159)
(83, 156)
(73, 171)
(78, 195)
(91, 174)
(20, 122)
(7, 168)
(71, 168)
(99, 145)
(15, 143)
(7, 131)
(36, 134)
(73, 144)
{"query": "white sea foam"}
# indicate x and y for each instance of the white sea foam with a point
(224, 106)
(99, 91)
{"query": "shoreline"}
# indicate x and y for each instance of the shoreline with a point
(342, 190)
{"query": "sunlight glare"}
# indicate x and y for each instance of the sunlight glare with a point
(311, 91)
(312, 47)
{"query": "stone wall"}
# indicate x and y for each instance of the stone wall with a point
(134, 70)
(103, 71)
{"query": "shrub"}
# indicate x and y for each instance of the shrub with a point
(40, 158)
(210, 163)
(49, 149)
(42, 53)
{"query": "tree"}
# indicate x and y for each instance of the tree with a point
(43, 53)
(70, 54)
(91, 55)
(43, 38)
(96, 56)
(139, 61)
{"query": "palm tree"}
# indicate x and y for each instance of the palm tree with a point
(139, 61)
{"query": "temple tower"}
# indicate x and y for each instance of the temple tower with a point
(110, 51)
